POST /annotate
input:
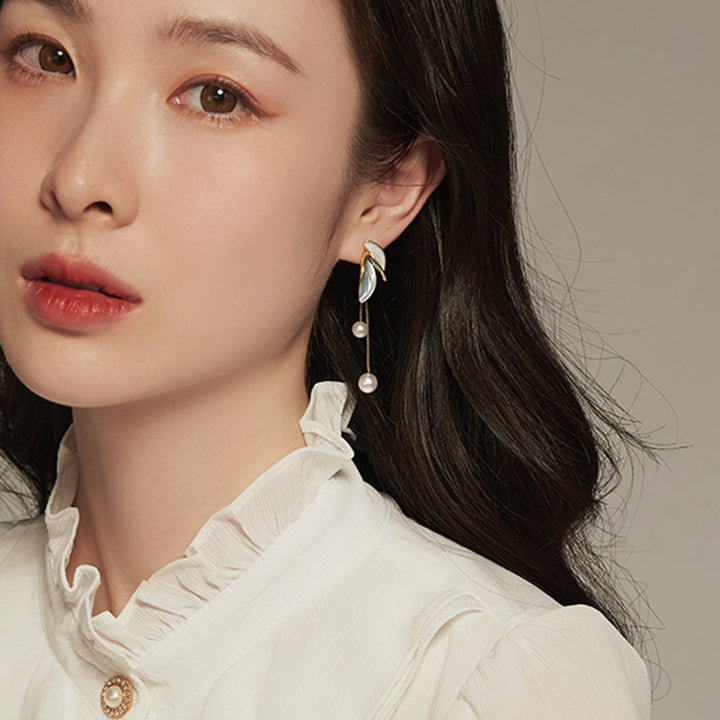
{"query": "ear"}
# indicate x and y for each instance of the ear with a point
(380, 211)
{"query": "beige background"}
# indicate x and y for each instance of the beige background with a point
(622, 188)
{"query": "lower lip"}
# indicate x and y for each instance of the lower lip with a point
(73, 309)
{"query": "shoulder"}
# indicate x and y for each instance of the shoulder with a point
(22, 556)
(23, 538)
(490, 644)
(416, 557)
(22, 566)
(566, 663)
(22, 563)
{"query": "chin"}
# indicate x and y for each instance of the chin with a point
(59, 381)
(55, 390)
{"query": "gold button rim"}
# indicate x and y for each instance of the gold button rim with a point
(128, 696)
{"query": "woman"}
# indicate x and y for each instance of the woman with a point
(187, 198)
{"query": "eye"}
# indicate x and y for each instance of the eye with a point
(46, 56)
(216, 99)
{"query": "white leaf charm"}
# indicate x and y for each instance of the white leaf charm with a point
(368, 280)
(377, 254)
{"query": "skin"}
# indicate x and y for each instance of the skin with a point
(227, 225)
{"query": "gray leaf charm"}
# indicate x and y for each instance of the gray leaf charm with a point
(377, 254)
(368, 280)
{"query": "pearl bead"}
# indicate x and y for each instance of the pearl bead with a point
(113, 696)
(116, 696)
(368, 383)
(360, 329)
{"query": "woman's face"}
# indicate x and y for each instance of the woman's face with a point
(197, 152)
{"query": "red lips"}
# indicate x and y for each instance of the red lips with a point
(79, 273)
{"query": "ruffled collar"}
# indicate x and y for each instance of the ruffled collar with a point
(228, 543)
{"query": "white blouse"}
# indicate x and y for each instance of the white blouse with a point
(311, 596)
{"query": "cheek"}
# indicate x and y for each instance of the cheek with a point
(18, 145)
(32, 127)
(249, 247)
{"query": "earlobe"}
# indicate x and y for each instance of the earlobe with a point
(388, 206)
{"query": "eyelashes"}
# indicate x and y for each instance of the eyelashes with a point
(38, 58)
(217, 99)
(33, 56)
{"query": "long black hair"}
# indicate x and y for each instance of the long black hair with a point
(478, 429)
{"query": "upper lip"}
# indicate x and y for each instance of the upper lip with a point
(80, 272)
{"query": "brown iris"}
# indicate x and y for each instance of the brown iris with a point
(54, 59)
(216, 99)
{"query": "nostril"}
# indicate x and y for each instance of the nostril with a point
(102, 206)
(54, 203)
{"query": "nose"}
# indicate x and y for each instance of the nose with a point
(93, 176)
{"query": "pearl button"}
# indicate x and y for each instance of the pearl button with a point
(368, 383)
(116, 696)
(113, 697)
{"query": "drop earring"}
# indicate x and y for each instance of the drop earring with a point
(372, 263)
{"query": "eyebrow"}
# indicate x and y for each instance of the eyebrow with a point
(75, 10)
(194, 31)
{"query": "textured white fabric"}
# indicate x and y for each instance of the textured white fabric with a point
(310, 596)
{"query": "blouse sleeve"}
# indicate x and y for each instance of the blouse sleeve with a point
(568, 664)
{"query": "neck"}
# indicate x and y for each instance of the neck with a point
(152, 472)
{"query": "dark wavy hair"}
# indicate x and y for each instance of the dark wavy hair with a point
(478, 429)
